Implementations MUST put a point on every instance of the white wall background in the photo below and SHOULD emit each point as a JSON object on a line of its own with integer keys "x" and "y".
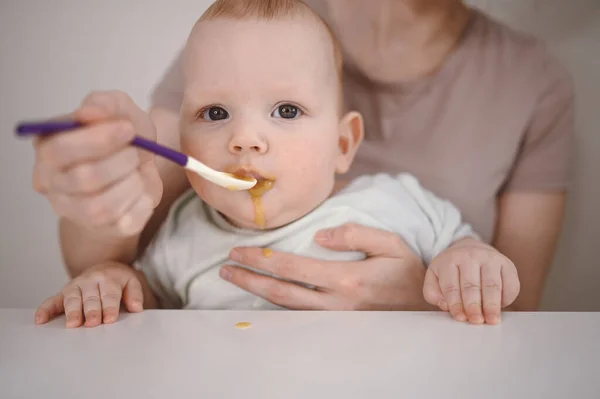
{"x": 52, "y": 53}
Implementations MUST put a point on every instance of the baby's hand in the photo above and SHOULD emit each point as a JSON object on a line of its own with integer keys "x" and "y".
{"x": 96, "y": 294}
{"x": 473, "y": 281}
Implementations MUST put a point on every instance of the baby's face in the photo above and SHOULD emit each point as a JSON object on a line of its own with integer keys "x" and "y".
{"x": 262, "y": 97}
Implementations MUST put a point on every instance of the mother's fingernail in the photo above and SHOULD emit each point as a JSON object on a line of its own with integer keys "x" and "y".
{"x": 225, "y": 273}
{"x": 323, "y": 235}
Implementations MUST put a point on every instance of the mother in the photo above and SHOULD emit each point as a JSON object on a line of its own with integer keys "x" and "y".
{"x": 481, "y": 114}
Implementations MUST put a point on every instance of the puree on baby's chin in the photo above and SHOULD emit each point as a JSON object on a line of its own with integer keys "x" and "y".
{"x": 242, "y": 325}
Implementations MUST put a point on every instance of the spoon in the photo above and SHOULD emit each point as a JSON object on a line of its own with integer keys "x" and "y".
{"x": 222, "y": 179}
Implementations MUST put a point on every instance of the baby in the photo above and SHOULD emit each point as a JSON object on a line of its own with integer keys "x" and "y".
{"x": 263, "y": 99}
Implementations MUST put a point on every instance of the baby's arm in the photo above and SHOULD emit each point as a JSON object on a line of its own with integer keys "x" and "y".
{"x": 472, "y": 280}
{"x": 95, "y": 296}
{"x": 467, "y": 277}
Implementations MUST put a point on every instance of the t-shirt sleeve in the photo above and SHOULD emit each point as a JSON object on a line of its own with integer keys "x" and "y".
{"x": 544, "y": 158}
{"x": 168, "y": 93}
{"x": 154, "y": 263}
{"x": 444, "y": 226}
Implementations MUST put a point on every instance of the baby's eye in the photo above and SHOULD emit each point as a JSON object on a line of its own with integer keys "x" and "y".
{"x": 214, "y": 114}
{"x": 287, "y": 111}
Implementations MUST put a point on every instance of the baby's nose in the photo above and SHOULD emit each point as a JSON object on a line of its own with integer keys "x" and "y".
{"x": 247, "y": 143}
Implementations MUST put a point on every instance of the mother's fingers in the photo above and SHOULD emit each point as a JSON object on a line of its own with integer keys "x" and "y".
{"x": 82, "y": 145}
{"x": 116, "y": 104}
{"x": 101, "y": 209}
{"x": 323, "y": 274}
{"x": 95, "y": 176}
{"x": 372, "y": 241}
{"x": 282, "y": 293}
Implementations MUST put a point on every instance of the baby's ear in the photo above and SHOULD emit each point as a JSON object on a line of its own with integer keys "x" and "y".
{"x": 351, "y": 135}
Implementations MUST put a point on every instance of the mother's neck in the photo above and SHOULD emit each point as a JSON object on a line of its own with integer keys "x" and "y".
{"x": 399, "y": 40}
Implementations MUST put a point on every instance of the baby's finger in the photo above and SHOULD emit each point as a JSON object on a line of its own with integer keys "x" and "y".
{"x": 49, "y": 309}
{"x": 450, "y": 284}
{"x": 491, "y": 281}
{"x": 73, "y": 305}
{"x": 432, "y": 291}
{"x": 470, "y": 286}
{"x": 510, "y": 283}
{"x": 133, "y": 296}
{"x": 110, "y": 296}
{"x": 92, "y": 306}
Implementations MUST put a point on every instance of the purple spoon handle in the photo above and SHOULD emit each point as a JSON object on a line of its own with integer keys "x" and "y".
{"x": 165, "y": 152}
{"x": 45, "y": 128}
{"x": 50, "y": 127}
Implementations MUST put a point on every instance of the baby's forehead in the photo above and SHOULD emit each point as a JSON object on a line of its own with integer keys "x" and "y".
{"x": 285, "y": 45}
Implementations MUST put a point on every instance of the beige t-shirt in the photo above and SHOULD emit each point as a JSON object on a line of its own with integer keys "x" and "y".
{"x": 497, "y": 117}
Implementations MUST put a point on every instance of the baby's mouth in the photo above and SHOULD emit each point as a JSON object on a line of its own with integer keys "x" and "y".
{"x": 264, "y": 183}
{"x": 249, "y": 172}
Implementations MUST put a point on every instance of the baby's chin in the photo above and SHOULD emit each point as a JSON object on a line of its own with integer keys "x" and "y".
{"x": 244, "y": 213}
{"x": 255, "y": 220}
{"x": 273, "y": 210}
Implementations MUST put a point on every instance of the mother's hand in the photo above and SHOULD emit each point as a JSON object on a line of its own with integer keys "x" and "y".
{"x": 391, "y": 278}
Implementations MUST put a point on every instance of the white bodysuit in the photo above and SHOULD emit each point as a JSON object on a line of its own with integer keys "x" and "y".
{"x": 182, "y": 264}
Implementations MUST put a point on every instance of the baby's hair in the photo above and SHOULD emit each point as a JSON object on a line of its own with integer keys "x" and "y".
{"x": 268, "y": 10}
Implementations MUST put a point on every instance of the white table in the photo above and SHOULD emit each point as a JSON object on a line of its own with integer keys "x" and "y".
{"x": 196, "y": 354}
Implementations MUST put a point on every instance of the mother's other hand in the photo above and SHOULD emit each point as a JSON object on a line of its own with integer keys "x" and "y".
{"x": 390, "y": 278}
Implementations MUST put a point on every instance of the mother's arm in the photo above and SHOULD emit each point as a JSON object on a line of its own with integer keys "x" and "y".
{"x": 531, "y": 205}
{"x": 527, "y": 232}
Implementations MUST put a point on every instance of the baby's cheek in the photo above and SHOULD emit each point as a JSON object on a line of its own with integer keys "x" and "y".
{"x": 197, "y": 183}
{"x": 315, "y": 175}
{"x": 192, "y": 145}
{"x": 205, "y": 147}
